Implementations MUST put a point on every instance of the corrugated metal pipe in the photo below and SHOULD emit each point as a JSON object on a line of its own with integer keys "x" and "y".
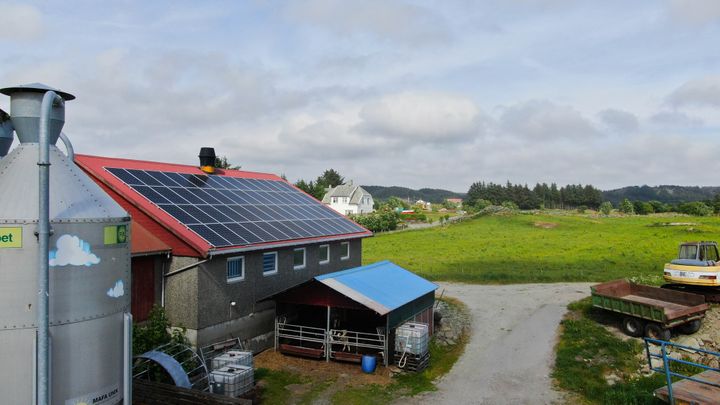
{"x": 50, "y": 100}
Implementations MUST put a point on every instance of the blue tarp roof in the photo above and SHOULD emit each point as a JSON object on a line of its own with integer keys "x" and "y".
{"x": 382, "y": 286}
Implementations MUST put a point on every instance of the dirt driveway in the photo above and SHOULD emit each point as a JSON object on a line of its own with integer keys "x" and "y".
{"x": 510, "y": 354}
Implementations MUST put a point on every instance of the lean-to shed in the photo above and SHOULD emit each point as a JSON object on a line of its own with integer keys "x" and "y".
{"x": 362, "y": 306}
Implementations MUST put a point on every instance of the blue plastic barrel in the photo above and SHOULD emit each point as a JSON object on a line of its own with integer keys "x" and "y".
{"x": 368, "y": 364}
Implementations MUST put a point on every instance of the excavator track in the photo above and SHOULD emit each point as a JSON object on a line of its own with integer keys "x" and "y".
{"x": 711, "y": 294}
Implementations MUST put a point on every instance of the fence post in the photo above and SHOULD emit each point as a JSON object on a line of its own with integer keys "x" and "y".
{"x": 668, "y": 377}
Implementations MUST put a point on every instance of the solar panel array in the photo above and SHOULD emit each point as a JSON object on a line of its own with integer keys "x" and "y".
{"x": 233, "y": 211}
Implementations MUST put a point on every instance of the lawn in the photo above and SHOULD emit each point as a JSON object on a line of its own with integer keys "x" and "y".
{"x": 548, "y": 247}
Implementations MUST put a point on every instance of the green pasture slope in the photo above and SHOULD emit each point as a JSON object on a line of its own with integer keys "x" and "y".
{"x": 529, "y": 248}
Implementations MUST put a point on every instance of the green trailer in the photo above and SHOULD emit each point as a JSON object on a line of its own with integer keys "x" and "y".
{"x": 650, "y": 311}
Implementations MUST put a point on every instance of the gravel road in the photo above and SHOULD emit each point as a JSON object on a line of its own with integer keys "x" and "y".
{"x": 510, "y": 354}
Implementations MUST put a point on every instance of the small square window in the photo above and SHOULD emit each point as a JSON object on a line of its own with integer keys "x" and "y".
{"x": 235, "y": 269}
{"x": 299, "y": 258}
{"x": 324, "y": 254}
{"x": 345, "y": 249}
{"x": 269, "y": 263}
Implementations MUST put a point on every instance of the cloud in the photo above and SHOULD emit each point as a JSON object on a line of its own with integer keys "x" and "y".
{"x": 20, "y": 22}
{"x": 545, "y": 120}
{"x": 117, "y": 291}
{"x": 698, "y": 92}
{"x": 675, "y": 120}
{"x": 695, "y": 11}
{"x": 388, "y": 20}
{"x": 73, "y": 251}
{"x": 426, "y": 117}
{"x": 619, "y": 121}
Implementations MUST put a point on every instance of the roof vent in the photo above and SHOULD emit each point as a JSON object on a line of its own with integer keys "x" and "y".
{"x": 207, "y": 160}
{"x": 25, "y": 101}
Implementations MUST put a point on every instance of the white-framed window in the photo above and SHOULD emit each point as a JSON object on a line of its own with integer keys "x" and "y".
{"x": 324, "y": 254}
{"x": 344, "y": 250}
{"x": 270, "y": 263}
{"x": 334, "y": 200}
{"x": 299, "y": 258}
{"x": 235, "y": 269}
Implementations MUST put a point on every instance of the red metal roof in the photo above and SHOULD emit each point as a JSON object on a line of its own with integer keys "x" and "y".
{"x": 143, "y": 242}
{"x": 182, "y": 240}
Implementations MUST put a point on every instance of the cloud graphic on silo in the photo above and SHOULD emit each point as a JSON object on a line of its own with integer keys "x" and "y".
{"x": 74, "y": 251}
{"x": 117, "y": 291}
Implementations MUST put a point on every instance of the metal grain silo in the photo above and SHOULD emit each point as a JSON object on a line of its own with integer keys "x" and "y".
{"x": 89, "y": 269}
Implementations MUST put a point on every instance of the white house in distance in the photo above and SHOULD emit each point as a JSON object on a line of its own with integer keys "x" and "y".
{"x": 349, "y": 199}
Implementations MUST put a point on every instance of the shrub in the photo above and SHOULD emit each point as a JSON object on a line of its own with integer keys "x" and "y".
{"x": 626, "y": 207}
{"x": 659, "y": 207}
{"x": 154, "y": 332}
{"x": 510, "y": 205}
{"x": 643, "y": 208}
{"x": 697, "y": 208}
{"x": 606, "y": 207}
{"x": 379, "y": 221}
{"x": 581, "y": 209}
{"x": 482, "y": 204}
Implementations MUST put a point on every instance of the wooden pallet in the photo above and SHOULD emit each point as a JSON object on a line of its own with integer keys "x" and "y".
{"x": 691, "y": 392}
{"x": 415, "y": 363}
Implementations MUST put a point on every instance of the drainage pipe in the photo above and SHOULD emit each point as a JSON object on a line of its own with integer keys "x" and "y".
{"x": 50, "y": 100}
{"x": 180, "y": 270}
{"x": 68, "y": 146}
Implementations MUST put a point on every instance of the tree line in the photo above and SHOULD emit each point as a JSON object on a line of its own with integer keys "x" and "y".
{"x": 317, "y": 188}
{"x": 541, "y": 196}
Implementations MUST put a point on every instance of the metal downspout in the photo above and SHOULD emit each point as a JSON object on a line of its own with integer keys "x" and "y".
{"x": 50, "y": 99}
{"x": 127, "y": 354}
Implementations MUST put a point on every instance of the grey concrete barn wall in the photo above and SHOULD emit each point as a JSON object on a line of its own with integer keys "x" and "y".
{"x": 200, "y": 299}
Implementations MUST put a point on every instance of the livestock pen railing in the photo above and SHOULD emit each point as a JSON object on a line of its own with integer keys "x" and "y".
{"x": 303, "y": 340}
{"x": 688, "y": 389}
{"x": 342, "y": 341}
{"x": 337, "y": 344}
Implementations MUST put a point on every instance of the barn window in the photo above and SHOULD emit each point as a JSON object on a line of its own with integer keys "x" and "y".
{"x": 324, "y": 254}
{"x": 235, "y": 269}
{"x": 345, "y": 250}
{"x": 299, "y": 258}
{"x": 269, "y": 263}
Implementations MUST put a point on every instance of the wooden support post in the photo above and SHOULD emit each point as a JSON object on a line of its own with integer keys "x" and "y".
{"x": 327, "y": 336}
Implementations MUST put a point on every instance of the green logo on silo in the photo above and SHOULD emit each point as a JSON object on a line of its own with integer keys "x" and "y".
{"x": 10, "y": 237}
{"x": 115, "y": 234}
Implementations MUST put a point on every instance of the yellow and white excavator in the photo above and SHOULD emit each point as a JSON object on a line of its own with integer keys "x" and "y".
{"x": 696, "y": 270}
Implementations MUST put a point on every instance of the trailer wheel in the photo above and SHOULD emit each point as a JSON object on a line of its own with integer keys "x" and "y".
{"x": 690, "y": 327}
{"x": 633, "y": 326}
{"x": 656, "y": 331}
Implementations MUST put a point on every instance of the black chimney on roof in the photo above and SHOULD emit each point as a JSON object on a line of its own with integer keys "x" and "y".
{"x": 207, "y": 160}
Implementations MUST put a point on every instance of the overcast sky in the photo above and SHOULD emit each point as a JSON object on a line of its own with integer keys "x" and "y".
{"x": 412, "y": 93}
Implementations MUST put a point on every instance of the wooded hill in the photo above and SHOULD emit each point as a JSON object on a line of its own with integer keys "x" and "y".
{"x": 664, "y": 194}
{"x": 433, "y": 195}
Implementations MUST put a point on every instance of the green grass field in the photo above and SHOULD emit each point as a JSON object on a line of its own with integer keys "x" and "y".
{"x": 526, "y": 248}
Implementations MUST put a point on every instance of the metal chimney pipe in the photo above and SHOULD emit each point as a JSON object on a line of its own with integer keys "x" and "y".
{"x": 6, "y": 133}
{"x": 68, "y": 146}
{"x": 50, "y": 99}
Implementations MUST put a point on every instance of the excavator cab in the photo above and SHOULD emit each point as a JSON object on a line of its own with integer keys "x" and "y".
{"x": 700, "y": 252}
{"x": 698, "y": 263}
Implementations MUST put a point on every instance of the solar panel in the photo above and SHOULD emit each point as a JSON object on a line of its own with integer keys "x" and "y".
{"x": 232, "y": 211}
